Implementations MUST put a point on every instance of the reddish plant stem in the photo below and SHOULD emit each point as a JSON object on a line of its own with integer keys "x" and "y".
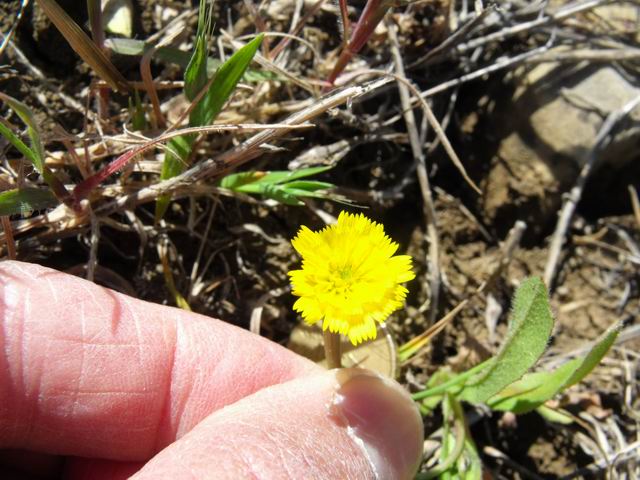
{"x": 373, "y": 13}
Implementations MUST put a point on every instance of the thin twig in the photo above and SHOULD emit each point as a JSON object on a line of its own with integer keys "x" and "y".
{"x": 8, "y": 237}
{"x": 6, "y": 38}
{"x": 196, "y": 263}
{"x": 508, "y": 248}
{"x": 433, "y": 121}
{"x": 429, "y": 209}
{"x": 567, "y": 11}
{"x": 455, "y": 38}
{"x": 295, "y": 30}
{"x": 635, "y": 203}
{"x": 496, "y": 65}
{"x": 94, "y": 240}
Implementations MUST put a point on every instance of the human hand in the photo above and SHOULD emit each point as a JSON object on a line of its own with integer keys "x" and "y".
{"x": 155, "y": 392}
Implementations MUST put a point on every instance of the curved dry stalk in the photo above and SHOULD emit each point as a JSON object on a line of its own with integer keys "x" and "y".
{"x": 433, "y": 258}
{"x": 83, "y": 189}
{"x": 433, "y": 121}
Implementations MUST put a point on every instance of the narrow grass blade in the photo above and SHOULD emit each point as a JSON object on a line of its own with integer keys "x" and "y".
{"x": 84, "y": 46}
{"x": 19, "y": 145}
{"x": 288, "y": 176}
{"x": 526, "y": 340}
{"x": 224, "y": 83}
{"x": 282, "y": 186}
{"x": 181, "y": 302}
{"x": 24, "y": 201}
{"x": 35, "y": 153}
{"x": 209, "y": 106}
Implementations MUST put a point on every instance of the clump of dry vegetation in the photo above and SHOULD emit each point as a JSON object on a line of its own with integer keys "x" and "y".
{"x": 494, "y": 141}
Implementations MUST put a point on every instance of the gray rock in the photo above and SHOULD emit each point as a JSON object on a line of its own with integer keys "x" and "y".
{"x": 546, "y": 132}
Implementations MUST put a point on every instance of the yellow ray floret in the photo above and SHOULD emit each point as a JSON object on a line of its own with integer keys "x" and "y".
{"x": 350, "y": 278}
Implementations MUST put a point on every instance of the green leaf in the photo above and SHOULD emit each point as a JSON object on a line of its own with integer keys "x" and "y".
{"x": 175, "y": 158}
{"x": 208, "y": 108}
{"x": 274, "y": 185}
{"x": 470, "y": 465}
{"x": 553, "y": 415}
{"x": 308, "y": 185}
{"x": 224, "y": 83}
{"x": 236, "y": 180}
{"x": 282, "y": 176}
{"x": 36, "y": 153}
{"x": 18, "y": 144}
{"x": 534, "y": 389}
{"x": 25, "y": 200}
{"x": 529, "y": 331}
{"x": 595, "y": 354}
{"x": 195, "y": 76}
{"x": 136, "y": 112}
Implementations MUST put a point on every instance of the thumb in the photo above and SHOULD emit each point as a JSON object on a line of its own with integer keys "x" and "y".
{"x": 347, "y": 423}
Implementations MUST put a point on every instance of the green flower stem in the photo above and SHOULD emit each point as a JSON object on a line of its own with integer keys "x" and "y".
{"x": 442, "y": 388}
{"x": 332, "y": 350}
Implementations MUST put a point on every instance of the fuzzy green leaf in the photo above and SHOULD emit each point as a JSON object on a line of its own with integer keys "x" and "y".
{"x": 25, "y": 200}
{"x": 529, "y": 331}
{"x": 534, "y": 389}
{"x": 595, "y": 354}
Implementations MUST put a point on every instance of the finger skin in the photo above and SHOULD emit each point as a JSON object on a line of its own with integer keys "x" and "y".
{"x": 90, "y": 372}
{"x": 306, "y": 428}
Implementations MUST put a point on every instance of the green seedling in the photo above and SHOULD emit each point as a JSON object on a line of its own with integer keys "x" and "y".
{"x": 283, "y": 186}
{"x": 25, "y": 201}
{"x": 502, "y": 382}
{"x": 34, "y": 153}
{"x": 210, "y": 94}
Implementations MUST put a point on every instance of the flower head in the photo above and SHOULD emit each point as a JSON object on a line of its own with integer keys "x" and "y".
{"x": 350, "y": 278}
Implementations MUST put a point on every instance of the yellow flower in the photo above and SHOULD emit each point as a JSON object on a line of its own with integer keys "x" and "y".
{"x": 350, "y": 278}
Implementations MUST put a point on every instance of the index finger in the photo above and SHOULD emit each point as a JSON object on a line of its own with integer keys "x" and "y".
{"x": 90, "y": 372}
